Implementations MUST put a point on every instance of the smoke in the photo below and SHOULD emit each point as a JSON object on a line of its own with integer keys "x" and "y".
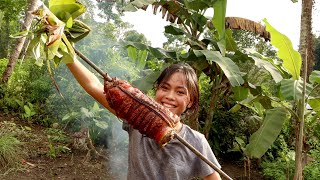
{"x": 118, "y": 151}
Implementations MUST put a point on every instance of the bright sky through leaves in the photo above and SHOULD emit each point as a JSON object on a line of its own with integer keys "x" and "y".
{"x": 281, "y": 14}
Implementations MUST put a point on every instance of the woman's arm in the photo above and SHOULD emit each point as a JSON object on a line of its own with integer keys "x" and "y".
{"x": 89, "y": 82}
{"x": 213, "y": 176}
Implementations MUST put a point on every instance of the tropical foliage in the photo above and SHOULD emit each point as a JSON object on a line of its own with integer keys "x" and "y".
{"x": 256, "y": 86}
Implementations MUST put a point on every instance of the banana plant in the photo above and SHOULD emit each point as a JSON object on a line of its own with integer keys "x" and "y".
{"x": 57, "y": 29}
{"x": 290, "y": 90}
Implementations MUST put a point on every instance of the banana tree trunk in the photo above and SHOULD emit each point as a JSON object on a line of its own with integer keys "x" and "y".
{"x": 19, "y": 43}
{"x": 306, "y": 51}
{"x": 215, "y": 91}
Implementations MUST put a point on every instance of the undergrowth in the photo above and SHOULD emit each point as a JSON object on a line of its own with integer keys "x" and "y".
{"x": 10, "y": 152}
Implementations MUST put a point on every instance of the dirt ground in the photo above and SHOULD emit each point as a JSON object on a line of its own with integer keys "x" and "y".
{"x": 73, "y": 165}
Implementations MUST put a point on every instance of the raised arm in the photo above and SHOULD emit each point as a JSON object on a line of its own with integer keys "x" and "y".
{"x": 89, "y": 82}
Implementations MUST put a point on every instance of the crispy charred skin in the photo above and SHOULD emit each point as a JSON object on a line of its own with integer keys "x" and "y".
{"x": 140, "y": 111}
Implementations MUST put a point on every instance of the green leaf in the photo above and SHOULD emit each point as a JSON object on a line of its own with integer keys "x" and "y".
{"x": 63, "y": 7}
{"x": 218, "y": 22}
{"x": 27, "y": 110}
{"x": 146, "y": 83}
{"x": 230, "y": 69}
{"x": 101, "y": 124}
{"x": 130, "y": 8}
{"x": 235, "y": 108}
{"x": 141, "y": 60}
{"x": 70, "y": 115}
{"x": 291, "y": 58}
{"x": 218, "y": 19}
{"x": 95, "y": 107}
{"x": 78, "y": 31}
{"x": 263, "y": 138}
{"x": 173, "y": 30}
{"x": 157, "y": 52}
{"x": 292, "y": 89}
{"x": 253, "y": 103}
{"x": 315, "y": 77}
{"x": 231, "y": 45}
{"x": 240, "y": 93}
{"x": 86, "y": 112}
{"x": 66, "y": 117}
{"x": 136, "y": 4}
{"x": 34, "y": 47}
{"x": 197, "y": 4}
{"x": 19, "y": 34}
{"x": 315, "y": 104}
{"x": 30, "y": 105}
{"x": 276, "y": 75}
{"x": 132, "y": 53}
{"x": 259, "y": 109}
{"x": 53, "y": 48}
{"x": 27, "y": 128}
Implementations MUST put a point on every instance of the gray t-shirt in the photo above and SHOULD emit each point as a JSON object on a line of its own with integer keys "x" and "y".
{"x": 147, "y": 160}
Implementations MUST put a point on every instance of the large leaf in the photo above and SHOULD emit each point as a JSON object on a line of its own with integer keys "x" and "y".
{"x": 240, "y": 93}
{"x": 230, "y": 69}
{"x": 292, "y": 89}
{"x": 315, "y": 77}
{"x": 273, "y": 62}
{"x": 197, "y": 4}
{"x": 315, "y": 104}
{"x": 78, "y": 31}
{"x": 261, "y": 140}
{"x": 257, "y": 103}
{"x": 132, "y": 53}
{"x": 146, "y": 83}
{"x": 138, "y": 56}
{"x": 136, "y": 4}
{"x": 291, "y": 58}
{"x": 66, "y": 9}
{"x": 101, "y": 124}
{"x": 173, "y": 30}
{"x": 141, "y": 59}
{"x": 218, "y": 21}
{"x": 157, "y": 52}
{"x": 231, "y": 45}
{"x": 276, "y": 75}
{"x": 34, "y": 47}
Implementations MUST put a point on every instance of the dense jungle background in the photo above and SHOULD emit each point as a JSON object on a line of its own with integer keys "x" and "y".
{"x": 259, "y": 99}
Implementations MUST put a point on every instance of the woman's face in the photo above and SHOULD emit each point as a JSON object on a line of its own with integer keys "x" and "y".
{"x": 173, "y": 94}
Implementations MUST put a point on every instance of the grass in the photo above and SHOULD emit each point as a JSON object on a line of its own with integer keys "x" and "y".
{"x": 10, "y": 152}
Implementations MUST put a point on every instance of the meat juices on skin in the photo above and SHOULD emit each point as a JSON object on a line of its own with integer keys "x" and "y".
{"x": 156, "y": 122}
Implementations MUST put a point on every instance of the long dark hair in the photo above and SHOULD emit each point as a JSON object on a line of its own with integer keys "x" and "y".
{"x": 191, "y": 81}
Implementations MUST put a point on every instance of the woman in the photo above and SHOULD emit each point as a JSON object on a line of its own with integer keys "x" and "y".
{"x": 176, "y": 89}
